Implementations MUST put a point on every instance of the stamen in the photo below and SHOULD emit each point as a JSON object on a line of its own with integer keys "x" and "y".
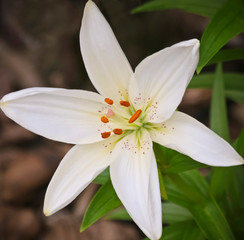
{"x": 124, "y": 103}
{"x": 109, "y": 101}
{"x": 118, "y": 131}
{"x": 104, "y": 119}
{"x": 110, "y": 113}
{"x": 106, "y": 134}
{"x": 135, "y": 116}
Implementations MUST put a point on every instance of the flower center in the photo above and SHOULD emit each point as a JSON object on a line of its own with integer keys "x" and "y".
{"x": 110, "y": 114}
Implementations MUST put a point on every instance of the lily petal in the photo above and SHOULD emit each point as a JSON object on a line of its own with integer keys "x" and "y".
{"x": 77, "y": 169}
{"x": 190, "y": 137}
{"x": 163, "y": 77}
{"x": 70, "y": 116}
{"x": 106, "y": 64}
{"x": 135, "y": 179}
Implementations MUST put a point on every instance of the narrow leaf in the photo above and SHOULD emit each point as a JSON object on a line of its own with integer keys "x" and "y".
{"x": 237, "y": 96}
{"x": 103, "y": 202}
{"x": 227, "y": 23}
{"x": 184, "y": 191}
{"x": 219, "y": 124}
{"x": 232, "y": 81}
{"x": 234, "y": 84}
{"x": 162, "y": 187}
{"x": 239, "y": 143}
{"x": 218, "y": 111}
{"x": 118, "y": 214}
{"x": 227, "y": 55}
{"x": 206, "y": 8}
{"x": 187, "y": 230}
{"x": 173, "y": 213}
{"x": 171, "y": 161}
{"x": 211, "y": 221}
{"x": 103, "y": 177}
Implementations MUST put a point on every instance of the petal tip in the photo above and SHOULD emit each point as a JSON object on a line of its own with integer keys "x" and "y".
{"x": 90, "y": 3}
{"x": 193, "y": 43}
{"x": 47, "y": 213}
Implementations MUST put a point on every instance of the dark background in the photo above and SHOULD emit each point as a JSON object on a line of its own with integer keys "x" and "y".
{"x": 39, "y": 46}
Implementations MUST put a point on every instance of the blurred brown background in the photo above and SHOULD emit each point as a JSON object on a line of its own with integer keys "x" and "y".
{"x": 39, "y": 46}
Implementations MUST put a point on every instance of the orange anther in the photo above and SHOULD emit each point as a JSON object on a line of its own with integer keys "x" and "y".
{"x": 118, "y": 131}
{"x": 104, "y": 119}
{"x": 124, "y": 103}
{"x": 106, "y": 134}
{"x": 109, "y": 101}
{"x": 135, "y": 116}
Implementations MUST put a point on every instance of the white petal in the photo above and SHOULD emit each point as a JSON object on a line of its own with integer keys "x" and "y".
{"x": 104, "y": 59}
{"x": 190, "y": 137}
{"x": 77, "y": 169}
{"x": 163, "y": 77}
{"x": 135, "y": 179}
{"x": 70, "y": 116}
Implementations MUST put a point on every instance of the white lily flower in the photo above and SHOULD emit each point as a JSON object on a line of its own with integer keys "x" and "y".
{"x": 117, "y": 127}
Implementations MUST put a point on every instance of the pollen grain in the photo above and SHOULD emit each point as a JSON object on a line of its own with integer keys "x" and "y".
{"x": 135, "y": 116}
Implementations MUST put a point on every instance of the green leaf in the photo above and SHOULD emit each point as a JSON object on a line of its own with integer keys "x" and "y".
{"x": 219, "y": 124}
{"x": 186, "y": 188}
{"x": 104, "y": 201}
{"x": 103, "y": 177}
{"x": 211, "y": 221}
{"x": 227, "y": 55}
{"x": 161, "y": 185}
{"x": 232, "y": 81}
{"x": 237, "y": 96}
{"x": 234, "y": 84}
{"x": 118, "y": 214}
{"x": 173, "y": 213}
{"x": 239, "y": 143}
{"x": 218, "y": 111}
{"x": 187, "y": 230}
{"x": 171, "y": 161}
{"x": 206, "y": 8}
{"x": 190, "y": 190}
{"x": 227, "y": 23}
